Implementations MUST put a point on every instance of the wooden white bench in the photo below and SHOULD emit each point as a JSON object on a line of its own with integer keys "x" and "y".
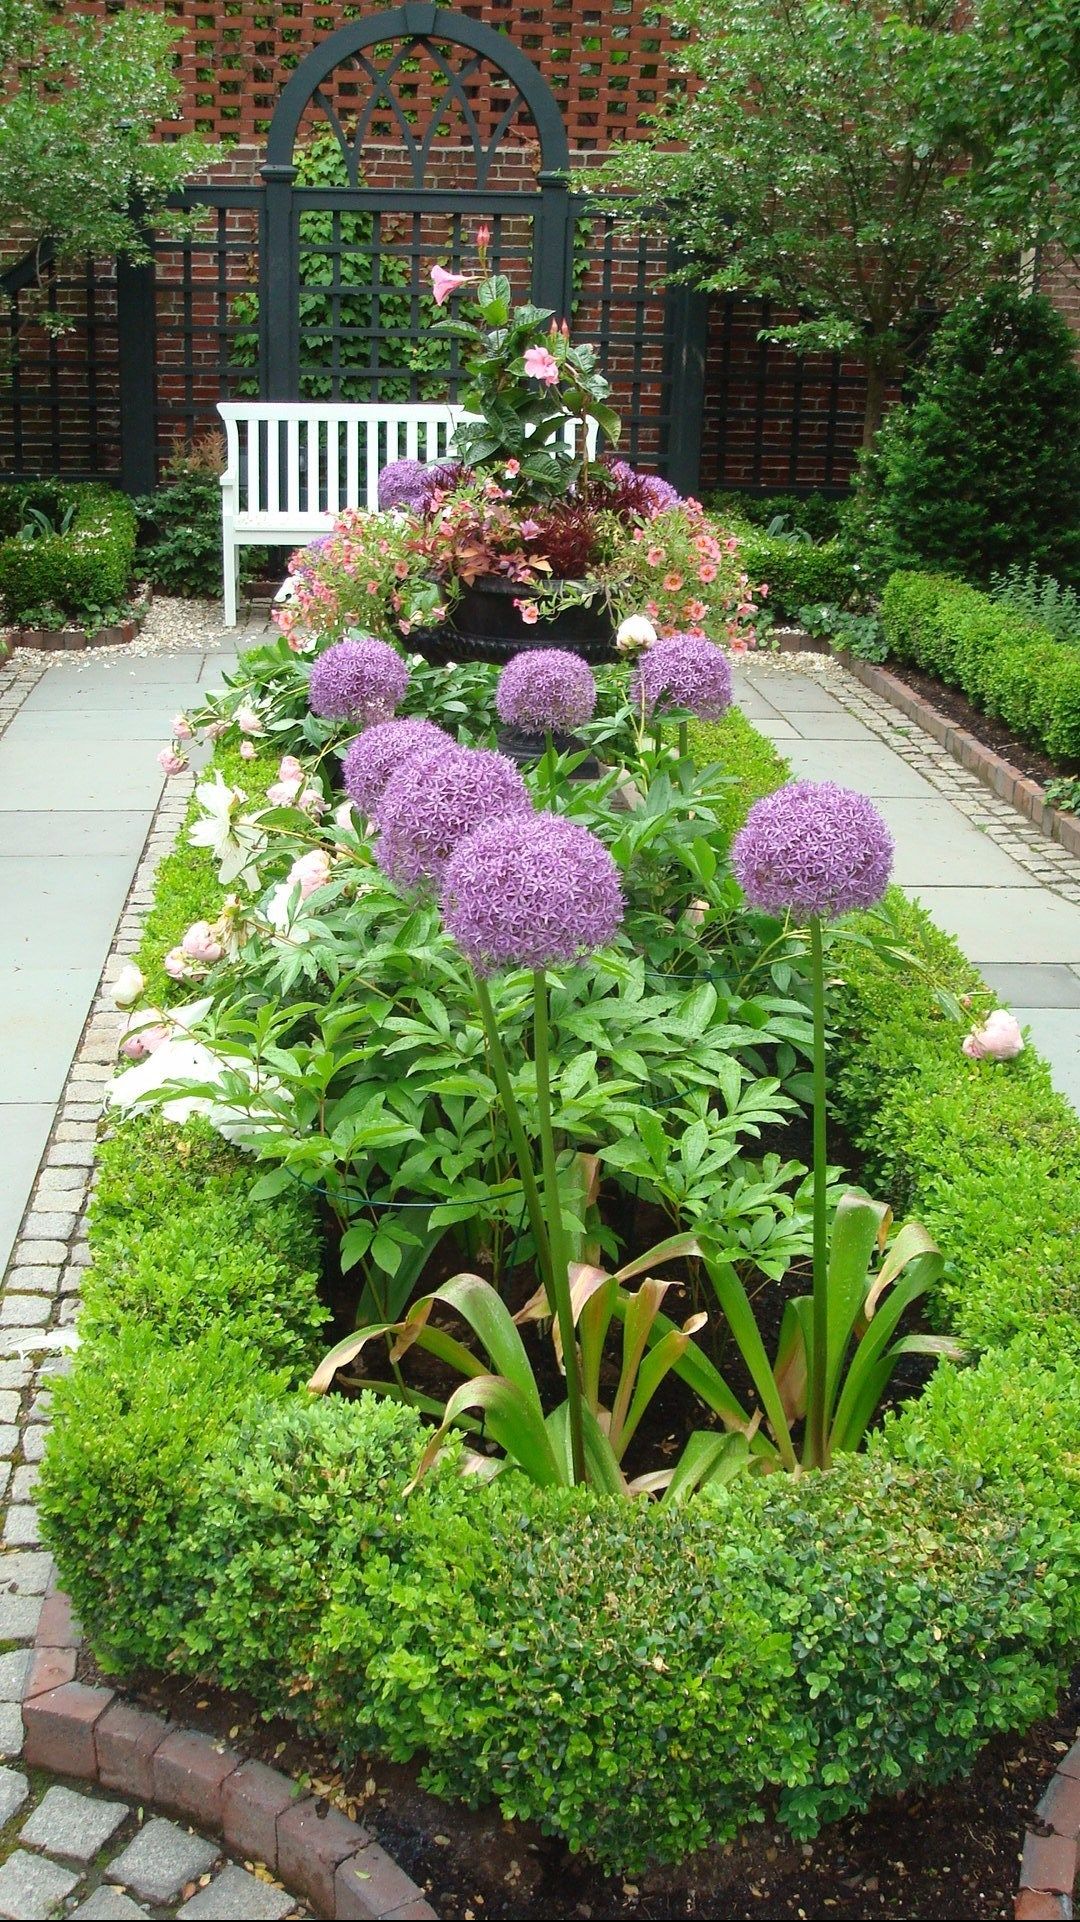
{"x": 293, "y": 467}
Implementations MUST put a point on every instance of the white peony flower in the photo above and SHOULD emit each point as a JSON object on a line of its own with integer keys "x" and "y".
{"x": 128, "y": 986}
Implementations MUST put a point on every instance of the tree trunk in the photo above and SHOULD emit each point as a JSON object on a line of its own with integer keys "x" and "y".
{"x": 877, "y": 384}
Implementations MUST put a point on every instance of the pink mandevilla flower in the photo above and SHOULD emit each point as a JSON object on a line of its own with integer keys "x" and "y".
{"x": 541, "y": 365}
{"x": 444, "y": 284}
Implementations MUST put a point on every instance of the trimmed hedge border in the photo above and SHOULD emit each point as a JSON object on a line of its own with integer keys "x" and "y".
{"x": 1005, "y": 664}
{"x": 810, "y": 1643}
{"x": 89, "y": 566}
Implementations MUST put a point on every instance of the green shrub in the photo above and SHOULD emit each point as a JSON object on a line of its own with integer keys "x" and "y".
{"x": 1004, "y": 664}
{"x": 818, "y": 515}
{"x": 1040, "y": 599}
{"x": 753, "y": 763}
{"x": 798, "y": 573}
{"x": 180, "y": 526}
{"x": 121, "y": 1484}
{"x": 82, "y": 575}
{"x": 982, "y": 470}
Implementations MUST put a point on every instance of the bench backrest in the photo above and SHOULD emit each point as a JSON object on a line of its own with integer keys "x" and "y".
{"x": 298, "y": 460}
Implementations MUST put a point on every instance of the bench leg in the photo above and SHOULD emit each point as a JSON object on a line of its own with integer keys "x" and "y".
{"x": 231, "y": 568}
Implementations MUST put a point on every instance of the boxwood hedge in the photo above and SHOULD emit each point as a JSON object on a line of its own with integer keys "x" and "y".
{"x": 1005, "y": 663}
{"x": 637, "y": 1681}
{"x": 78, "y": 575}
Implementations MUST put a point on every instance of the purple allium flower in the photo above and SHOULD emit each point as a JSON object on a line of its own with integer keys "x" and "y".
{"x": 374, "y": 755}
{"x": 544, "y": 690}
{"x": 653, "y": 495}
{"x": 357, "y": 681}
{"x": 530, "y": 894}
{"x": 815, "y": 848}
{"x": 683, "y": 671}
{"x": 410, "y": 484}
{"x": 433, "y": 800}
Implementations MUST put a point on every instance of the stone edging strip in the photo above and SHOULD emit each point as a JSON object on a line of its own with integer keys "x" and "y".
{"x": 1050, "y": 1866}
{"x": 93, "y": 1734}
{"x": 992, "y": 769}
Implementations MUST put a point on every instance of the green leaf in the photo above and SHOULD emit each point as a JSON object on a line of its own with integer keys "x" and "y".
{"x": 707, "y": 1459}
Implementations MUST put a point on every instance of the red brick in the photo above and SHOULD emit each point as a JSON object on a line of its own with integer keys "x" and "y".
{"x": 370, "y": 1885}
{"x": 1060, "y": 1806}
{"x": 51, "y": 1668}
{"x": 57, "y": 1627}
{"x": 60, "y": 1729}
{"x": 251, "y": 1800}
{"x": 1049, "y": 1862}
{"x": 189, "y": 1770}
{"x": 310, "y": 1846}
{"x": 418, "y": 1911}
{"x": 1031, "y": 1905}
{"x": 127, "y": 1740}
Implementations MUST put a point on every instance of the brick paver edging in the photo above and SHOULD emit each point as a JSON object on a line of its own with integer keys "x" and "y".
{"x": 93, "y": 1734}
{"x": 1050, "y": 1868}
{"x": 990, "y": 768}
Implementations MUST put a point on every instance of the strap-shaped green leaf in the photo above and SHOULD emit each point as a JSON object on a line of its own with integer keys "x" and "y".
{"x": 706, "y": 1458}
{"x": 735, "y": 1304}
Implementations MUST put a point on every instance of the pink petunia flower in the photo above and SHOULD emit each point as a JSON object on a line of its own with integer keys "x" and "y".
{"x": 529, "y": 612}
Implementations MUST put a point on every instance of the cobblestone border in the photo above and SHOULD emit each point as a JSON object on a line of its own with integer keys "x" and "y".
{"x": 1050, "y": 1867}
{"x": 91, "y": 1733}
{"x": 991, "y": 768}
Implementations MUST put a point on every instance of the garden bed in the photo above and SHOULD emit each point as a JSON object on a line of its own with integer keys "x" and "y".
{"x": 1005, "y": 741}
{"x": 639, "y": 1682}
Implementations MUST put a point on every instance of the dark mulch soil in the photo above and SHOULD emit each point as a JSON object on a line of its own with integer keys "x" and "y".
{"x": 950, "y": 1852}
{"x": 993, "y": 733}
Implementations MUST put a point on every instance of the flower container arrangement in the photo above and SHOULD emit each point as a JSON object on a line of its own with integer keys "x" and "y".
{"x": 521, "y": 538}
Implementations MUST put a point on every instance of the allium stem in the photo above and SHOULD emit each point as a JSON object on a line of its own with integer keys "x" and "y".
{"x": 560, "y": 1272}
{"x": 522, "y": 1150}
{"x": 816, "y": 1449}
{"x": 684, "y": 740}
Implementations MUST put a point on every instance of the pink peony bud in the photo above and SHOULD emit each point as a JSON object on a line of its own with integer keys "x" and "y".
{"x": 176, "y": 965}
{"x": 199, "y": 944}
{"x": 182, "y": 728}
{"x": 142, "y": 1037}
{"x": 247, "y": 720}
{"x": 248, "y": 750}
{"x": 170, "y": 762}
{"x": 311, "y": 871}
{"x": 216, "y": 729}
{"x": 290, "y": 769}
{"x": 312, "y": 802}
{"x": 999, "y": 1038}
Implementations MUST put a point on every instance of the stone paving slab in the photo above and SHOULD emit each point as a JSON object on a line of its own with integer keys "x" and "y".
{"x": 32, "y": 1888}
{"x": 862, "y": 764}
{"x": 161, "y": 1860}
{"x": 237, "y": 1896}
{"x": 1035, "y": 985}
{"x": 77, "y": 1826}
{"x": 82, "y": 777}
{"x": 46, "y": 836}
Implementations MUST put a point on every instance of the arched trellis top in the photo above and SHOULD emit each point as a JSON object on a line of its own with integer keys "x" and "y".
{"x": 408, "y": 24}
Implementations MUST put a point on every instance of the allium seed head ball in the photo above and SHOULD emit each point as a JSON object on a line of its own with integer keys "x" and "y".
{"x": 375, "y": 755}
{"x": 530, "y": 894}
{"x": 433, "y": 800}
{"x": 683, "y": 671}
{"x": 546, "y": 690}
{"x": 813, "y": 848}
{"x": 357, "y": 681}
